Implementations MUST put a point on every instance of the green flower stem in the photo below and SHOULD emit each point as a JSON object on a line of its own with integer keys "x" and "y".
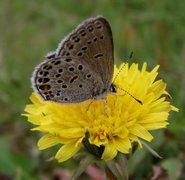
{"x": 115, "y": 172}
{"x": 122, "y": 160}
{"x": 89, "y": 159}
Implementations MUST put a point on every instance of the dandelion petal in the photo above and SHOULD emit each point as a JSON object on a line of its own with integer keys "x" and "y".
{"x": 141, "y": 132}
{"x": 66, "y": 152}
{"x": 47, "y": 141}
{"x": 122, "y": 145}
{"x": 110, "y": 152}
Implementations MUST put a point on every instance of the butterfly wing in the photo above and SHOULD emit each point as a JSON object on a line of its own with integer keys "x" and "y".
{"x": 89, "y": 46}
{"x": 91, "y": 42}
{"x": 65, "y": 80}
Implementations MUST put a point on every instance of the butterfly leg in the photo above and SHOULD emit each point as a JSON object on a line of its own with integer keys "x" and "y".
{"x": 116, "y": 94}
{"x": 89, "y": 105}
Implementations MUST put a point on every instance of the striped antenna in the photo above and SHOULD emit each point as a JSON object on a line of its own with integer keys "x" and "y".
{"x": 130, "y": 57}
{"x": 140, "y": 102}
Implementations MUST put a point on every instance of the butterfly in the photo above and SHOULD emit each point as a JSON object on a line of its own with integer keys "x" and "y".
{"x": 82, "y": 66}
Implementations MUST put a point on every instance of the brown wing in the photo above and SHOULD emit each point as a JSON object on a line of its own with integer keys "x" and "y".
{"x": 91, "y": 42}
{"x": 66, "y": 80}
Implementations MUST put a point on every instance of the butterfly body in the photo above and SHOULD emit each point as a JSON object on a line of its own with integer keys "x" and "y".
{"x": 82, "y": 66}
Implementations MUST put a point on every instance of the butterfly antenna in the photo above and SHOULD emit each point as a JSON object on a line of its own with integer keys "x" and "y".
{"x": 140, "y": 102}
{"x": 130, "y": 57}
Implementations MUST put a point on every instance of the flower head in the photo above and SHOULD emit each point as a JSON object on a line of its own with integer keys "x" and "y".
{"x": 112, "y": 124}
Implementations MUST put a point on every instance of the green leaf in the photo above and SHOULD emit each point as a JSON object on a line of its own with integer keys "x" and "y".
{"x": 173, "y": 166}
{"x": 16, "y": 165}
{"x": 24, "y": 163}
{"x": 135, "y": 159}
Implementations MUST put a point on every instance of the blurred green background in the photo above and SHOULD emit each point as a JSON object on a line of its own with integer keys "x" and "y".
{"x": 154, "y": 30}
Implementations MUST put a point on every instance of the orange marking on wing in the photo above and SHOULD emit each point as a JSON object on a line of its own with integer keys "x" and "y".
{"x": 46, "y": 87}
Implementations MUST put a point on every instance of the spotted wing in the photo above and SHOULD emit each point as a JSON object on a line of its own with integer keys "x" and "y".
{"x": 91, "y": 42}
{"x": 65, "y": 80}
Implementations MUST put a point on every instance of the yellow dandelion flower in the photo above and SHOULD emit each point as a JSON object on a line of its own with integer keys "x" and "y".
{"x": 124, "y": 122}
